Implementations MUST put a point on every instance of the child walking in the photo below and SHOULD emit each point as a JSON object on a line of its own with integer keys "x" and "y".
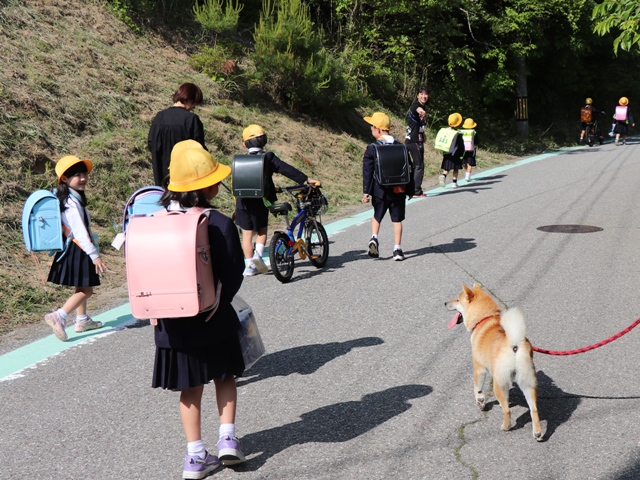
{"x": 383, "y": 198}
{"x": 252, "y": 214}
{"x": 79, "y": 265}
{"x": 191, "y": 352}
{"x": 471, "y": 142}
{"x": 621, "y": 119}
{"x": 449, "y": 141}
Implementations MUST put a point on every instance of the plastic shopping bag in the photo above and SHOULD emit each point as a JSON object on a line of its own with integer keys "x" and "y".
{"x": 250, "y": 340}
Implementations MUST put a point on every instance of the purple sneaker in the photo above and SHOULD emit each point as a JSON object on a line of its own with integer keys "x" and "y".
{"x": 54, "y": 320}
{"x": 229, "y": 451}
{"x": 195, "y": 467}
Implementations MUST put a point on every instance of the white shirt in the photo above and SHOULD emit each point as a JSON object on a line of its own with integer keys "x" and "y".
{"x": 73, "y": 219}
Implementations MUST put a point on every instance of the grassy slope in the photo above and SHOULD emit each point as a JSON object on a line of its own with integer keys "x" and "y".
{"x": 74, "y": 80}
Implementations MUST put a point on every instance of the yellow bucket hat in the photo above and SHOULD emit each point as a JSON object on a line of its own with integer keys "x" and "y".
{"x": 194, "y": 169}
{"x": 623, "y": 101}
{"x": 180, "y": 147}
{"x": 252, "y": 131}
{"x": 65, "y": 163}
{"x": 469, "y": 123}
{"x": 379, "y": 120}
{"x": 455, "y": 119}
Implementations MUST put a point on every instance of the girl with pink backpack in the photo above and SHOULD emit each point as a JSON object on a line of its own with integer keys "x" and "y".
{"x": 191, "y": 352}
{"x": 621, "y": 119}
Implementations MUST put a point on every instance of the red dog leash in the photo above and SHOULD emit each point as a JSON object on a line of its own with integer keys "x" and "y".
{"x": 590, "y": 347}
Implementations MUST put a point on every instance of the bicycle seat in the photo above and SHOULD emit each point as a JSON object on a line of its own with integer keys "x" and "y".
{"x": 280, "y": 208}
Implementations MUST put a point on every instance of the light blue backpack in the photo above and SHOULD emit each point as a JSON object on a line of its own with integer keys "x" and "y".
{"x": 42, "y": 223}
{"x": 142, "y": 203}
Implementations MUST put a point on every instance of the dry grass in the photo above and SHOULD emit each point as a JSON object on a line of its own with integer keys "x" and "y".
{"x": 74, "y": 80}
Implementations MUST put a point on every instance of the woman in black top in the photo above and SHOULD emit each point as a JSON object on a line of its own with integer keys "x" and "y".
{"x": 173, "y": 125}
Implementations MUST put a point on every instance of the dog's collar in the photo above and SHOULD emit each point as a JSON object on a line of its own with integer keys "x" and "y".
{"x": 485, "y": 318}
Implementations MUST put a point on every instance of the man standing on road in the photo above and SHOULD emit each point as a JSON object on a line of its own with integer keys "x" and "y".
{"x": 414, "y": 138}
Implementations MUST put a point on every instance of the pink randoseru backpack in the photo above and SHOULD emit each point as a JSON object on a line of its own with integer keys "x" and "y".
{"x": 169, "y": 272}
{"x": 621, "y": 113}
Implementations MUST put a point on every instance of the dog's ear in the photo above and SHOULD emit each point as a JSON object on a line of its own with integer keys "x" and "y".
{"x": 476, "y": 285}
{"x": 467, "y": 291}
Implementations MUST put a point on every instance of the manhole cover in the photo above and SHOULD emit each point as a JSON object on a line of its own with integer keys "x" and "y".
{"x": 569, "y": 229}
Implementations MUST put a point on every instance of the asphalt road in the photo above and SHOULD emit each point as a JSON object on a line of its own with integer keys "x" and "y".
{"x": 362, "y": 379}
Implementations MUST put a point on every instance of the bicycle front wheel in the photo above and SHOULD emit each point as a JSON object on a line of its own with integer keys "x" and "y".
{"x": 281, "y": 261}
{"x": 317, "y": 244}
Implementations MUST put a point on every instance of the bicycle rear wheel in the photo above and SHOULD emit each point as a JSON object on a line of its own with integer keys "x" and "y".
{"x": 281, "y": 261}
{"x": 317, "y": 244}
{"x": 590, "y": 134}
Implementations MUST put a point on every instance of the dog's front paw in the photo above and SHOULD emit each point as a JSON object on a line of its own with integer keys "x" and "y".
{"x": 480, "y": 401}
{"x": 537, "y": 436}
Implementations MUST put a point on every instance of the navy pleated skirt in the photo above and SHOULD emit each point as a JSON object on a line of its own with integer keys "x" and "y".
{"x": 621, "y": 127}
{"x": 73, "y": 268}
{"x": 449, "y": 163}
{"x": 182, "y": 368}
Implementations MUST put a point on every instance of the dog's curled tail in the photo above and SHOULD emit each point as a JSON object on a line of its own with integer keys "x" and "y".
{"x": 513, "y": 323}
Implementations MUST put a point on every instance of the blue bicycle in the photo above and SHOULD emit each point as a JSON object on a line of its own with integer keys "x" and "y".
{"x": 311, "y": 239}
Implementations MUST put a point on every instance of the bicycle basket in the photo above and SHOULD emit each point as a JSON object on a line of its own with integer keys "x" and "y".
{"x": 318, "y": 204}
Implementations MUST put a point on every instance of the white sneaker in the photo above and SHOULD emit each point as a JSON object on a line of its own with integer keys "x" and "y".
{"x": 454, "y": 185}
{"x": 441, "y": 180}
{"x": 89, "y": 324}
{"x": 467, "y": 176}
{"x": 259, "y": 264}
{"x": 250, "y": 271}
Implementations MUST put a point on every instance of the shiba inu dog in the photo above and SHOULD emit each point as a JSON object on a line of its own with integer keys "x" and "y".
{"x": 498, "y": 345}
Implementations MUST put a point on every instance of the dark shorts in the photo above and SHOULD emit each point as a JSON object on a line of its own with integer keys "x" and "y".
{"x": 394, "y": 203}
{"x": 251, "y": 214}
{"x": 469, "y": 158}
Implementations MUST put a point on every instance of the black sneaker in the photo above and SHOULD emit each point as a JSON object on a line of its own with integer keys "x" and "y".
{"x": 398, "y": 256}
{"x": 373, "y": 248}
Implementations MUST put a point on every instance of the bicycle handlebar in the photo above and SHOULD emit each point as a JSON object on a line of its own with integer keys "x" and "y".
{"x": 304, "y": 186}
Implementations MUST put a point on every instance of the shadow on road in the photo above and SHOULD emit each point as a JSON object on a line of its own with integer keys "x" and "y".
{"x": 629, "y": 473}
{"x": 554, "y": 405}
{"x": 336, "y": 262}
{"x": 336, "y": 423}
{"x": 304, "y": 360}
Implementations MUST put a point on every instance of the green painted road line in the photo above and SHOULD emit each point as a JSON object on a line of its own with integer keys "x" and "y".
{"x": 27, "y": 356}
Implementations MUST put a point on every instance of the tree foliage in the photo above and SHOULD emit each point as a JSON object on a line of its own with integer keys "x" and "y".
{"x": 291, "y": 61}
{"x": 218, "y": 16}
{"x": 312, "y": 55}
{"x": 622, "y": 15}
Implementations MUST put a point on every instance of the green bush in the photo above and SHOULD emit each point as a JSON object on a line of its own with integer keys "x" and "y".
{"x": 292, "y": 65}
{"x": 212, "y": 16}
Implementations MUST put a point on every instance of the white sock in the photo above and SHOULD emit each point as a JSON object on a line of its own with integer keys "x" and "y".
{"x": 259, "y": 249}
{"x": 81, "y": 318}
{"x": 227, "y": 430}
{"x": 397, "y": 247}
{"x": 374, "y": 236}
{"x": 196, "y": 448}
{"x": 248, "y": 263}
{"x": 63, "y": 314}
